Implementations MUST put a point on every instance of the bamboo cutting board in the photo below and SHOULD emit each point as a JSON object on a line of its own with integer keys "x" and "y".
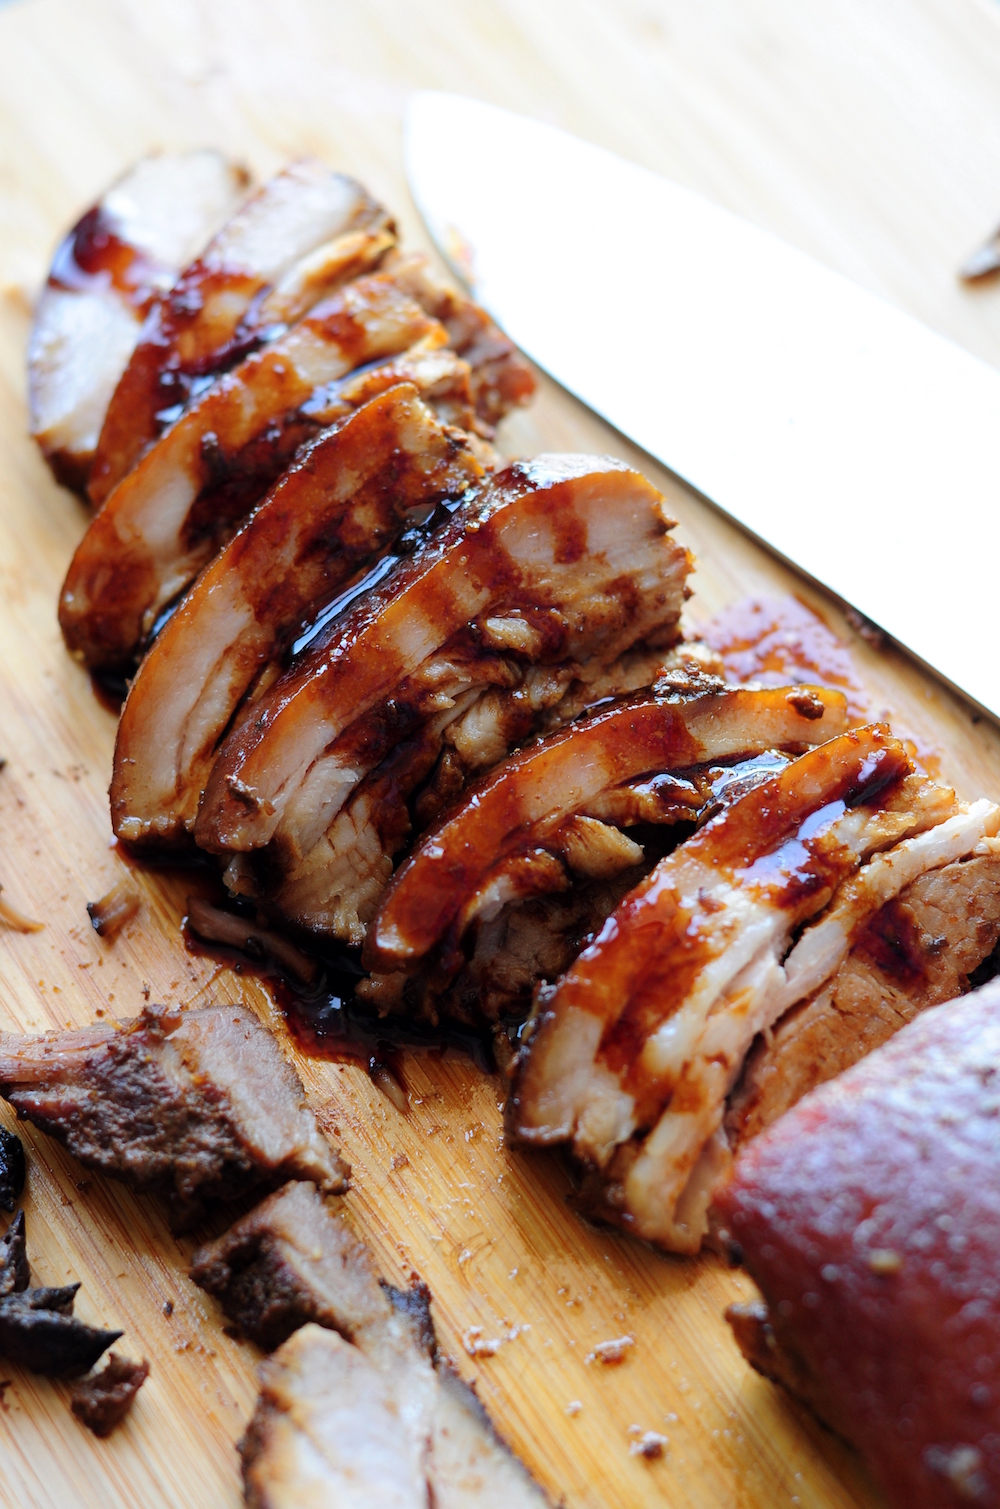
{"x": 866, "y": 131}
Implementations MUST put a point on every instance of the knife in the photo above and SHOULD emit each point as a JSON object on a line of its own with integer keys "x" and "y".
{"x": 847, "y": 437}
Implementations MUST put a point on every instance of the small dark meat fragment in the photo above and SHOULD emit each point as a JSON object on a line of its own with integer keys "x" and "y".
{"x": 13, "y": 1170}
{"x": 288, "y": 1262}
{"x": 869, "y": 1217}
{"x": 197, "y": 1105}
{"x": 233, "y": 931}
{"x": 37, "y": 1326}
{"x": 109, "y": 915}
{"x": 103, "y": 1401}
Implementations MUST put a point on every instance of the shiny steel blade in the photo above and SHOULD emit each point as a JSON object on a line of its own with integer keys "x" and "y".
{"x": 849, "y": 438}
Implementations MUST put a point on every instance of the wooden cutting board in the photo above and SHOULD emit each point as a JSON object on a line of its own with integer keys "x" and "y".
{"x": 866, "y": 131}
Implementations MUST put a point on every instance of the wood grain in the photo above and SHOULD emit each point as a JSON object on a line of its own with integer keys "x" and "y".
{"x": 867, "y": 132}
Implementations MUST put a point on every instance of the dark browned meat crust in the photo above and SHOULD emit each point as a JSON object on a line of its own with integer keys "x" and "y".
{"x": 196, "y": 1105}
{"x": 869, "y": 1216}
{"x": 103, "y": 1401}
{"x": 37, "y": 1326}
{"x": 288, "y": 1262}
{"x": 917, "y": 951}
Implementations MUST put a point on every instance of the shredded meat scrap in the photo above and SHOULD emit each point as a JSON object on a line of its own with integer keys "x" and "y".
{"x": 197, "y": 1105}
{"x": 870, "y": 1218}
{"x": 639, "y": 1043}
{"x": 547, "y": 575}
{"x": 357, "y": 1408}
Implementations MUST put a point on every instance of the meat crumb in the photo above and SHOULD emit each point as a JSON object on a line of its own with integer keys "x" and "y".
{"x": 168, "y": 1307}
{"x": 574, "y": 1407}
{"x": 109, "y": 915}
{"x": 647, "y": 1443}
{"x": 611, "y": 1351}
{"x": 477, "y": 1345}
{"x": 102, "y": 1401}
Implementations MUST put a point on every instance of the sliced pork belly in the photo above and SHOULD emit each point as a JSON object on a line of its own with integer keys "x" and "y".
{"x": 530, "y": 824}
{"x": 639, "y": 1043}
{"x": 548, "y": 574}
{"x": 116, "y": 260}
{"x": 344, "y": 501}
{"x": 293, "y": 242}
{"x": 196, "y": 1105}
{"x": 870, "y": 1218}
{"x": 357, "y": 1407}
{"x": 185, "y": 497}
{"x": 501, "y": 378}
{"x": 917, "y": 951}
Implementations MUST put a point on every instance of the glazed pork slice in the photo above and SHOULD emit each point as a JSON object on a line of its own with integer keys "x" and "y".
{"x": 638, "y": 1045}
{"x": 501, "y": 378}
{"x": 292, "y": 243}
{"x": 196, "y": 1105}
{"x": 116, "y": 260}
{"x": 358, "y": 1402}
{"x": 187, "y": 495}
{"x": 532, "y": 823}
{"x": 869, "y": 1216}
{"x": 342, "y": 503}
{"x": 553, "y": 570}
{"x": 917, "y": 951}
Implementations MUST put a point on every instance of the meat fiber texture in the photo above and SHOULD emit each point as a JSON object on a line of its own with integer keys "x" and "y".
{"x": 356, "y": 1407}
{"x": 197, "y": 1105}
{"x": 870, "y": 1218}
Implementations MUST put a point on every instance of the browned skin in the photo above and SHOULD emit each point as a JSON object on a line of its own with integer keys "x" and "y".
{"x": 187, "y": 495}
{"x": 198, "y": 1105}
{"x": 525, "y": 803}
{"x": 869, "y": 1216}
{"x": 341, "y": 504}
{"x": 288, "y": 1262}
{"x": 217, "y": 311}
{"x": 916, "y": 952}
{"x": 102, "y": 1401}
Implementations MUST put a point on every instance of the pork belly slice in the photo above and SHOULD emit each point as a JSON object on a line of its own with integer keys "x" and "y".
{"x": 116, "y": 260}
{"x": 195, "y": 1105}
{"x": 184, "y": 499}
{"x": 553, "y": 570}
{"x": 357, "y": 1407}
{"x": 916, "y": 951}
{"x": 501, "y": 378}
{"x": 303, "y": 234}
{"x": 639, "y": 1043}
{"x": 869, "y": 1216}
{"x": 551, "y": 800}
{"x": 343, "y": 502}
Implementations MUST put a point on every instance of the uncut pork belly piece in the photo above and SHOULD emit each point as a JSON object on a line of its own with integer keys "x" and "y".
{"x": 195, "y": 1105}
{"x": 501, "y": 378}
{"x": 301, "y": 235}
{"x": 554, "y": 813}
{"x": 869, "y": 1217}
{"x": 106, "y": 273}
{"x": 917, "y": 951}
{"x": 342, "y": 503}
{"x": 184, "y": 499}
{"x": 550, "y": 572}
{"x": 357, "y": 1407}
{"x": 637, "y": 1046}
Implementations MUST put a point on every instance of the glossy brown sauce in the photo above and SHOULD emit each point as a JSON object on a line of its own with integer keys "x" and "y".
{"x": 94, "y": 255}
{"x": 778, "y": 640}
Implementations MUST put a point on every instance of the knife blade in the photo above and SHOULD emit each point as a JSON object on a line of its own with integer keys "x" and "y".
{"x": 854, "y": 442}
